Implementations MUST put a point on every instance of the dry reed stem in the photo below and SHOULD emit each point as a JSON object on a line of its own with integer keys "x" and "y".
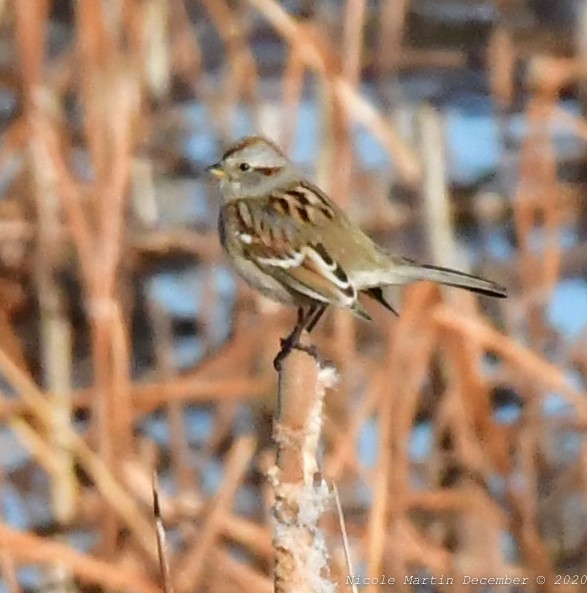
{"x": 243, "y": 76}
{"x": 340, "y": 164}
{"x": 436, "y": 205}
{"x": 27, "y": 548}
{"x": 458, "y": 500}
{"x": 409, "y": 349}
{"x": 186, "y": 53}
{"x": 354, "y": 22}
{"x": 535, "y": 368}
{"x": 109, "y": 92}
{"x": 480, "y": 443}
{"x": 343, "y": 454}
{"x": 55, "y": 328}
{"x": 99, "y": 259}
{"x": 345, "y": 537}
{"x": 114, "y": 494}
{"x": 193, "y": 390}
{"x": 293, "y": 83}
{"x": 226, "y": 569}
{"x": 162, "y": 548}
{"x": 356, "y": 105}
{"x": 537, "y": 198}
{"x": 190, "y": 570}
{"x": 163, "y": 345}
{"x": 301, "y": 494}
{"x": 36, "y": 444}
{"x": 9, "y": 572}
{"x": 390, "y": 35}
{"x": 501, "y": 57}
{"x": 526, "y": 512}
{"x": 417, "y": 550}
{"x": 151, "y": 396}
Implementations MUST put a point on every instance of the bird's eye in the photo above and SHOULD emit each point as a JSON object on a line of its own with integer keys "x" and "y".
{"x": 244, "y": 167}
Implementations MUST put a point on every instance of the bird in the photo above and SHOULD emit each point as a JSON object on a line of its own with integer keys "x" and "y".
{"x": 287, "y": 239}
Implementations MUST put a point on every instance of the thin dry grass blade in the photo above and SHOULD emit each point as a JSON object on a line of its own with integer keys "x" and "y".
{"x": 161, "y": 539}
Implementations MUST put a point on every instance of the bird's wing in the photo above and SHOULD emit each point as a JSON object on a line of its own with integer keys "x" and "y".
{"x": 281, "y": 234}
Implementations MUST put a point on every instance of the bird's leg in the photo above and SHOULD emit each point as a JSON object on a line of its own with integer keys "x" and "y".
{"x": 306, "y": 321}
{"x": 311, "y": 320}
{"x": 315, "y": 317}
{"x": 287, "y": 344}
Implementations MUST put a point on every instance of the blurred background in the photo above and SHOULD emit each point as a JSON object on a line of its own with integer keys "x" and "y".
{"x": 453, "y": 131}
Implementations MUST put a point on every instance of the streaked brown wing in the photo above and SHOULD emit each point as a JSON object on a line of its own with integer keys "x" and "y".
{"x": 278, "y": 238}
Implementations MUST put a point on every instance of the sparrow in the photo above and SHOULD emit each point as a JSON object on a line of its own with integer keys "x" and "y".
{"x": 291, "y": 242}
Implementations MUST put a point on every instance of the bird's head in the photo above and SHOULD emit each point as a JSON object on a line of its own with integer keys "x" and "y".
{"x": 253, "y": 167}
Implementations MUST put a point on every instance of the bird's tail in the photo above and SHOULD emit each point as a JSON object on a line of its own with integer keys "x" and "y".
{"x": 396, "y": 270}
{"x": 414, "y": 271}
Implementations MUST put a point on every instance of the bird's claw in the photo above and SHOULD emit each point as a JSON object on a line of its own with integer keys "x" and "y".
{"x": 287, "y": 346}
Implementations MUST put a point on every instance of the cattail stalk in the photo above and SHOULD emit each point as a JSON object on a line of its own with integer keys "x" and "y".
{"x": 301, "y": 493}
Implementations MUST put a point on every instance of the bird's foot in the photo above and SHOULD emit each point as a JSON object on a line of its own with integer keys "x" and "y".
{"x": 287, "y": 346}
{"x": 306, "y": 321}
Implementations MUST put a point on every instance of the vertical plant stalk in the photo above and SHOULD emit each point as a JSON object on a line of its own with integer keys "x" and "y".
{"x": 360, "y": 110}
{"x": 110, "y": 94}
{"x": 120, "y": 503}
{"x": 163, "y": 347}
{"x": 410, "y": 347}
{"x": 55, "y": 327}
{"x": 243, "y": 76}
{"x": 301, "y": 494}
{"x": 342, "y": 158}
{"x": 392, "y": 26}
{"x": 581, "y": 43}
{"x": 437, "y": 211}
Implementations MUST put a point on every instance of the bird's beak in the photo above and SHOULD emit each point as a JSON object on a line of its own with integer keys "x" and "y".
{"x": 216, "y": 170}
